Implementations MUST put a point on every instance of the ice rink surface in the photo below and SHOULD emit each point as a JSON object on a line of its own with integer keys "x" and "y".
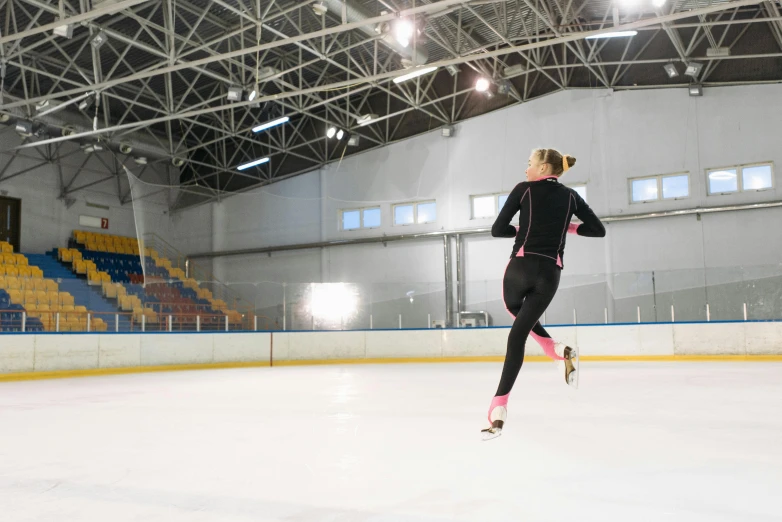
{"x": 645, "y": 441}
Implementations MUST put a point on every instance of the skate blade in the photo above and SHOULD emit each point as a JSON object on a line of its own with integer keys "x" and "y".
{"x": 494, "y": 431}
{"x": 572, "y": 378}
{"x": 490, "y": 433}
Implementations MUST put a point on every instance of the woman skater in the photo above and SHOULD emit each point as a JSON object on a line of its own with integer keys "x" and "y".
{"x": 531, "y": 279}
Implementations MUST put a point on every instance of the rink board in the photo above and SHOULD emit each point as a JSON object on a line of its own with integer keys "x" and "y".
{"x": 45, "y": 354}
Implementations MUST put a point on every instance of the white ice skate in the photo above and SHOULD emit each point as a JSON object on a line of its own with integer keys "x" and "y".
{"x": 498, "y": 416}
{"x": 570, "y": 364}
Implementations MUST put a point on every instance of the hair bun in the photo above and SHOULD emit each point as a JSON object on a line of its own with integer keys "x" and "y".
{"x": 571, "y": 161}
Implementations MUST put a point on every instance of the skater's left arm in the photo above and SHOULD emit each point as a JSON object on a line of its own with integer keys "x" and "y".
{"x": 502, "y": 226}
{"x": 591, "y": 225}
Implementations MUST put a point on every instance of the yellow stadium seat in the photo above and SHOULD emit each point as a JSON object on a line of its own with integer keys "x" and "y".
{"x": 9, "y": 259}
{"x": 100, "y": 325}
{"x": 93, "y": 278}
{"x": 24, "y": 271}
{"x": 36, "y": 272}
{"x": 66, "y": 299}
{"x": 21, "y": 260}
{"x": 51, "y": 285}
{"x": 13, "y": 283}
{"x": 6, "y": 247}
{"x": 11, "y": 270}
{"x": 54, "y": 299}
{"x": 16, "y": 296}
{"x": 125, "y": 303}
{"x": 29, "y": 297}
{"x": 81, "y": 267}
{"x": 76, "y": 255}
{"x": 3, "y": 282}
{"x": 42, "y": 297}
{"x": 2, "y": 270}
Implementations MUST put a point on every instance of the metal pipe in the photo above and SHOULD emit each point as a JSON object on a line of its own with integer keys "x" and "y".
{"x": 466, "y": 232}
{"x": 448, "y": 282}
{"x": 459, "y": 276}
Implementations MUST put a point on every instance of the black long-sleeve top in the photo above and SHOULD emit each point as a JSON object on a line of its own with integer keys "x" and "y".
{"x": 546, "y": 207}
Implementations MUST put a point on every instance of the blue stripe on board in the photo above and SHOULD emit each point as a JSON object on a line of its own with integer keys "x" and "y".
{"x": 386, "y": 329}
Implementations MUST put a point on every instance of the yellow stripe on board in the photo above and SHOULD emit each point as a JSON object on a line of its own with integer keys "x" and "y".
{"x": 64, "y": 374}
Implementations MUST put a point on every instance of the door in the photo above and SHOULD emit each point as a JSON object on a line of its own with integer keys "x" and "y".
{"x": 11, "y": 221}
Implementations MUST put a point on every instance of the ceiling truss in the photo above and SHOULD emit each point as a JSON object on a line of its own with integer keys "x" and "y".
{"x": 161, "y": 76}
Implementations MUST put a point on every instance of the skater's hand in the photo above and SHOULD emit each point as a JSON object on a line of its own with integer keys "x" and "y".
{"x": 572, "y": 228}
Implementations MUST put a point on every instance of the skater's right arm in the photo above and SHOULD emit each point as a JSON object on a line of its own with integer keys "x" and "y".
{"x": 502, "y": 226}
{"x": 591, "y": 225}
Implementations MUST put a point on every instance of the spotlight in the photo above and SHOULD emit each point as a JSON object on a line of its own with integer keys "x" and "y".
{"x": 503, "y": 87}
{"x": 68, "y": 130}
{"x": 353, "y": 141}
{"x": 253, "y": 94}
{"x": 340, "y": 134}
{"x": 448, "y": 131}
{"x": 331, "y": 132}
{"x": 177, "y": 162}
{"x": 4, "y": 117}
{"x": 365, "y": 119}
{"x": 66, "y": 31}
{"x": 671, "y": 70}
{"x": 141, "y": 160}
{"x": 482, "y": 85}
{"x": 693, "y": 69}
{"x": 91, "y": 147}
{"x": 24, "y": 127}
{"x": 86, "y": 103}
{"x": 234, "y": 93}
{"x": 98, "y": 40}
{"x": 125, "y": 148}
{"x": 513, "y": 70}
{"x": 453, "y": 69}
{"x": 404, "y": 31}
{"x": 696, "y": 90}
{"x": 320, "y": 8}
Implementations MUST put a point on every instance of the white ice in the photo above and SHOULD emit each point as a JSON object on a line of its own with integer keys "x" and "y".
{"x": 637, "y": 442}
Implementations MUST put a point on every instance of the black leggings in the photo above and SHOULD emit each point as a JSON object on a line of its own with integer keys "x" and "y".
{"x": 528, "y": 287}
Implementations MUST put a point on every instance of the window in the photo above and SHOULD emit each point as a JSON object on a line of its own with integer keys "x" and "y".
{"x": 484, "y": 206}
{"x": 487, "y": 205}
{"x": 581, "y": 190}
{"x": 360, "y": 218}
{"x": 656, "y": 188}
{"x": 427, "y": 212}
{"x": 740, "y": 178}
{"x": 371, "y": 217}
{"x": 676, "y": 187}
{"x": 409, "y": 213}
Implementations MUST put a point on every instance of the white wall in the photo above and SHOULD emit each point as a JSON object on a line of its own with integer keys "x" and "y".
{"x": 46, "y": 220}
{"x": 614, "y": 135}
